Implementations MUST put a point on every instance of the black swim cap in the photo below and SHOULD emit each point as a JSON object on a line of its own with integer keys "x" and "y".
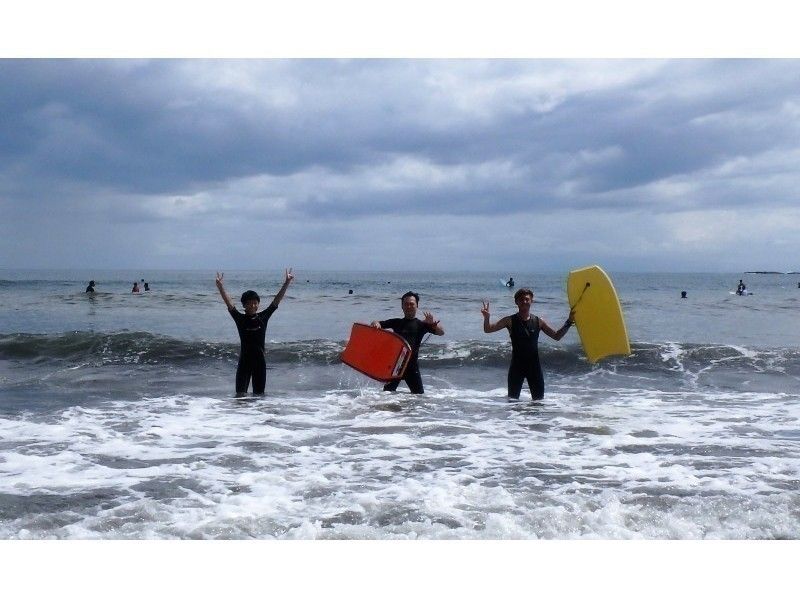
{"x": 248, "y": 295}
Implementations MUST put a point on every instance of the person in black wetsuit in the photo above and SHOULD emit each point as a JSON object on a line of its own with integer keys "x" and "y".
{"x": 524, "y": 328}
{"x": 413, "y": 330}
{"x": 90, "y": 288}
{"x": 252, "y": 327}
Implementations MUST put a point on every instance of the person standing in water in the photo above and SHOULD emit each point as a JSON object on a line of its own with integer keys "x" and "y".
{"x": 524, "y": 328}
{"x": 252, "y": 327}
{"x": 413, "y": 330}
{"x": 90, "y": 288}
{"x": 135, "y": 288}
{"x": 740, "y": 288}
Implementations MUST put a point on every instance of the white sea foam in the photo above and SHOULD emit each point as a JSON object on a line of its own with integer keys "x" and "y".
{"x": 449, "y": 464}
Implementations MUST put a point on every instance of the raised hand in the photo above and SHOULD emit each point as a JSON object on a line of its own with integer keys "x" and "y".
{"x": 429, "y": 319}
{"x": 289, "y": 277}
{"x": 485, "y": 309}
{"x": 220, "y": 275}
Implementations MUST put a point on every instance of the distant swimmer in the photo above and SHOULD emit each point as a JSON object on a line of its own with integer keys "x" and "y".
{"x": 135, "y": 288}
{"x": 413, "y": 330}
{"x": 524, "y": 328}
{"x": 741, "y": 288}
{"x": 90, "y": 288}
{"x": 252, "y": 328}
{"x": 683, "y": 294}
{"x": 147, "y": 286}
{"x": 510, "y": 282}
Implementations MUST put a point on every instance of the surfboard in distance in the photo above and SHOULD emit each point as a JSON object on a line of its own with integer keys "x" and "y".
{"x": 379, "y": 354}
{"x": 598, "y": 314}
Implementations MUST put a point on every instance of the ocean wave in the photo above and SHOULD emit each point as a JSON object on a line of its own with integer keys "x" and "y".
{"x": 118, "y": 348}
{"x": 96, "y": 348}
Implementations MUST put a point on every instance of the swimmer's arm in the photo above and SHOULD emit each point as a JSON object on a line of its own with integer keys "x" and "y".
{"x": 289, "y": 277}
{"x": 221, "y": 289}
{"x": 557, "y": 334}
{"x": 499, "y": 325}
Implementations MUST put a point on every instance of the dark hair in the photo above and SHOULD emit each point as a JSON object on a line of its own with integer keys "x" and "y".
{"x": 410, "y": 294}
{"x": 91, "y": 283}
{"x": 248, "y": 295}
{"x": 522, "y": 292}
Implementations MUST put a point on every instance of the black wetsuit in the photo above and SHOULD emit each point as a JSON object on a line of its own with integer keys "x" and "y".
{"x": 525, "y": 358}
{"x": 413, "y": 330}
{"x": 252, "y": 363}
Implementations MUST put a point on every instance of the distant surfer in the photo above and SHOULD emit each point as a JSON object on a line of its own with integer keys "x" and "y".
{"x": 252, "y": 327}
{"x": 413, "y": 330}
{"x": 740, "y": 288}
{"x": 135, "y": 288}
{"x": 524, "y": 328}
{"x": 147, "y": 286}
{"x": 683, "y": 294}
{"x": 90, "y": 288}
{"x": 510, "y": 282}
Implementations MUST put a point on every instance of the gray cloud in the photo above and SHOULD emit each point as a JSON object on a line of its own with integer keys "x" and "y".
{"x": 208, "y": 151}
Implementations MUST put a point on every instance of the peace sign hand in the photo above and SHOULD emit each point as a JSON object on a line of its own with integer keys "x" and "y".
{"x": 485, "y": 309}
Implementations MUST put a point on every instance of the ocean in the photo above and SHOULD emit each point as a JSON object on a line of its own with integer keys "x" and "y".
{"x": 118, "y": 418}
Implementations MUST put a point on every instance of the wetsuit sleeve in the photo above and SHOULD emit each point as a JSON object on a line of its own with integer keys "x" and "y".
{"x": 265, "y": 315}
{"x": 235, "y": 314}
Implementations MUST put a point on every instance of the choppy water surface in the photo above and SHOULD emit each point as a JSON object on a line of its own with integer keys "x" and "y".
{"x": 117, "y": 418}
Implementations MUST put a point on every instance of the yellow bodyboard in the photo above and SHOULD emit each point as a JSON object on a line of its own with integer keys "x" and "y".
{"x": 598, "y": 314}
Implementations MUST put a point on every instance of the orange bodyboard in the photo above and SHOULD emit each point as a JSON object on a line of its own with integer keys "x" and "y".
{"x": 377, "y": 353}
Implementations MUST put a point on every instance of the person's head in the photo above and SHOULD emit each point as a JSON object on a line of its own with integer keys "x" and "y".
{"x": 524, "y": 299}
{"x": 683, "y": 294}
{"x": 250, "y": 301}
{"x": 410, "y": 302}
{"x": 91, "y": 283}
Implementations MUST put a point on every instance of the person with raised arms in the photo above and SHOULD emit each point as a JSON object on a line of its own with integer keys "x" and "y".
{"x": 524, "y": 328}
{"x": 252, "y": 327}
{"x": 413, "y": 330}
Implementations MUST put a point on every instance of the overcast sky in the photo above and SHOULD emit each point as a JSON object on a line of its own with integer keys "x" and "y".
{"x": 497, "y": 165}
